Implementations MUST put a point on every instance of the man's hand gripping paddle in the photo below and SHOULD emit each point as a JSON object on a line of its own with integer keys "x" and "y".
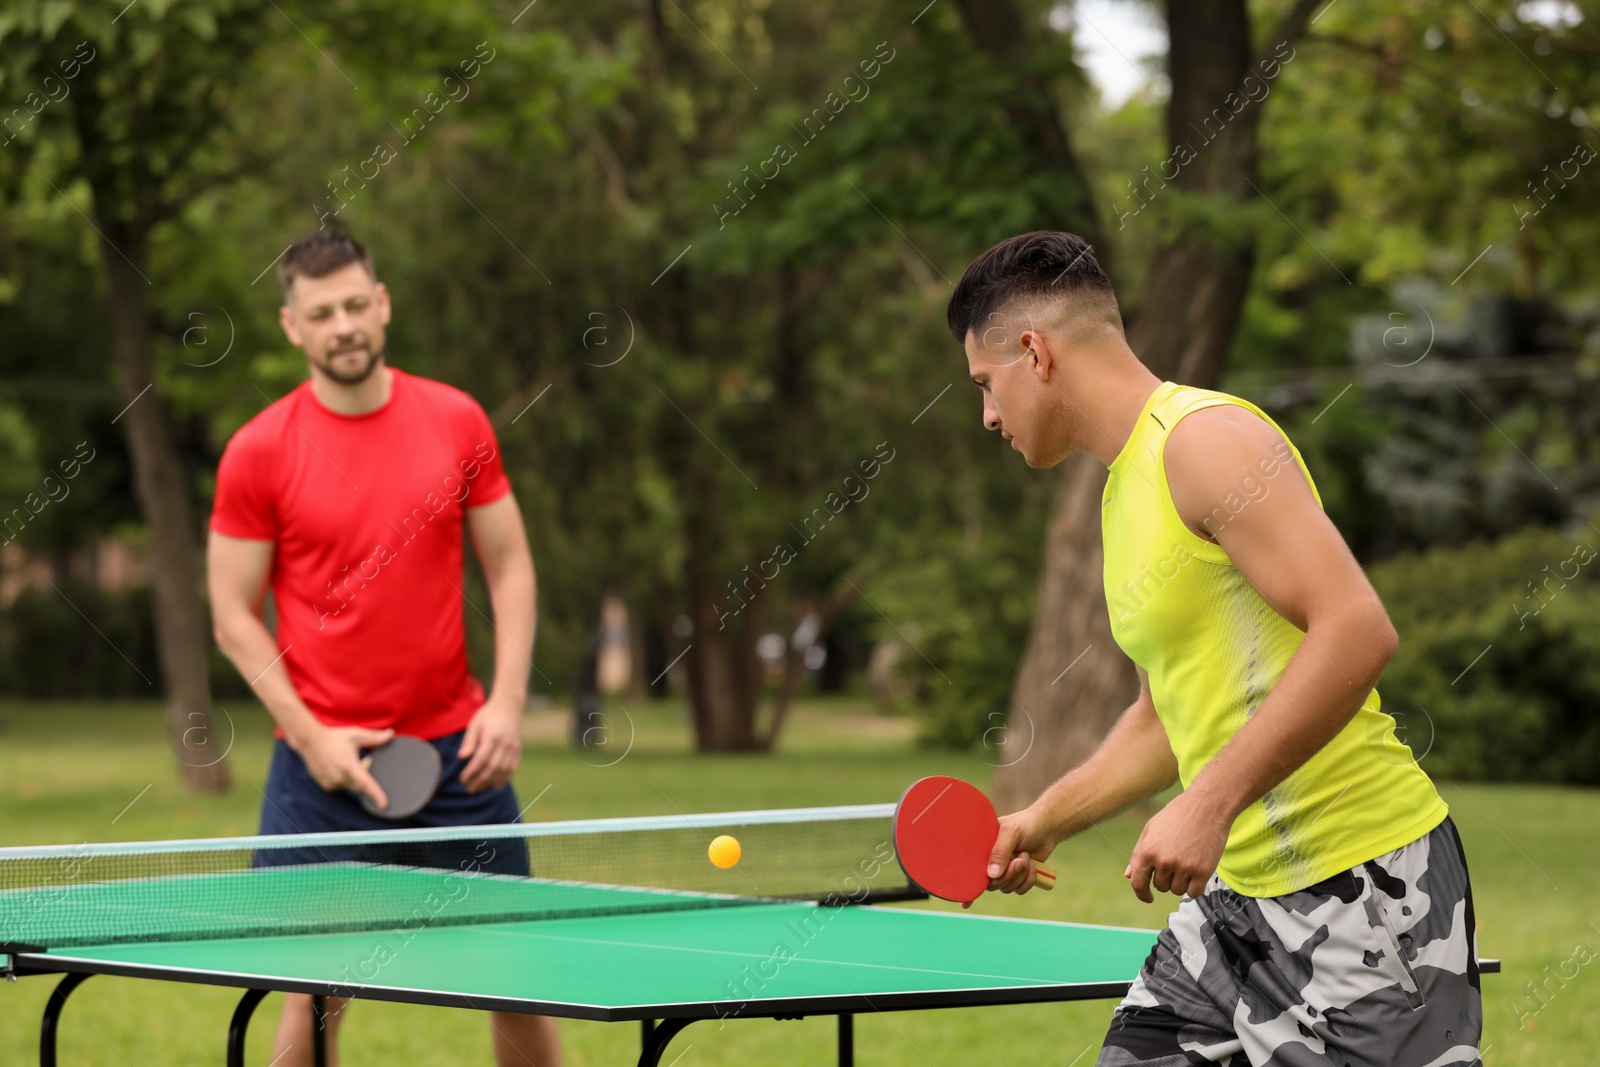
{"x": 408, "y": 770}
{"x": 944, "y": 830}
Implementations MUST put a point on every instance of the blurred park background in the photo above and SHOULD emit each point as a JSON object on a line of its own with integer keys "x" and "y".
{"x": 692, "y": 256}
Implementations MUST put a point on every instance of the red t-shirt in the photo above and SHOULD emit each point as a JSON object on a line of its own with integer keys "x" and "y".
{"x": 366, "y": 515}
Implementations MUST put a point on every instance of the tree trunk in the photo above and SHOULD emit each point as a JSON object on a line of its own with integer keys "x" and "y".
{"x": 182, "y": 633}
{"x": 1182, "y": 330}
{"x": 1074, "y": 679}
{"x": 722, "y": 668}
{"x": 724, "y": 672}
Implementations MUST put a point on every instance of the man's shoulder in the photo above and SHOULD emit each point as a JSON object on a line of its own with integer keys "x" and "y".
{"x": 438, "y": 395}
{"x": 1182, "y": 400}
{"x": 1212, "y": 419}
{"x": 267, "y": 427}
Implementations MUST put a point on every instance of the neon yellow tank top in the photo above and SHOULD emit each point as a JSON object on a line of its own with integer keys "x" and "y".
{"x": 1214, "y": 649}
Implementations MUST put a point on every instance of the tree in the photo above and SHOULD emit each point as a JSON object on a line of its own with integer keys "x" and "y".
{"x": 778, "y": 316}
{"x": 143, "y": 106}
{"x": 1182, "y": 328}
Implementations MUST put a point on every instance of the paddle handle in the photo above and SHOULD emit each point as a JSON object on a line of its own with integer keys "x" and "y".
{"x": 1044, "y": 876}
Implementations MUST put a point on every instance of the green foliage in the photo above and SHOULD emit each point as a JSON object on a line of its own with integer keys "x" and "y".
{"x": 974, "y": 610}
{"x": 961, "y": 607}
{"x": 49, "y": 644}
{"x": 18, "y": 452}
{"x": 80, "y": 640}
{"x": 1433, "y": 458}
{"x": 1441, "y": 118}
{"x": 526, "y": 231}
{"x": 1428, "y": 160}
{"x": 1498, "y": 671}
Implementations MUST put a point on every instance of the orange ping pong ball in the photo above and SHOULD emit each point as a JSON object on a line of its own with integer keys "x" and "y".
{"x": 724, "y": 851}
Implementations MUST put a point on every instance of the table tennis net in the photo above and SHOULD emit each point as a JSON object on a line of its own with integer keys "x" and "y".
{"x": 96, "y": 894}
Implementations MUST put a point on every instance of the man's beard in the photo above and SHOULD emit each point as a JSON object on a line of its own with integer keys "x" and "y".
{"x": 355, "y": 377}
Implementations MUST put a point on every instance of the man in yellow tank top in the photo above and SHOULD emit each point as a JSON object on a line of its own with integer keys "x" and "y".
{"x": 1327, "y": 913}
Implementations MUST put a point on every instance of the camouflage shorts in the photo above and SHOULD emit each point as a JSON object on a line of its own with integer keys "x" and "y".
{"x": 1374, "y": 967}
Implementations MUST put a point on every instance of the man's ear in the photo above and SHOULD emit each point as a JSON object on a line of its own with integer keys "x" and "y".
{"x": 385, "y": 308}
{"x": 286, "y": 320}
{"x": 1036, "y": 348}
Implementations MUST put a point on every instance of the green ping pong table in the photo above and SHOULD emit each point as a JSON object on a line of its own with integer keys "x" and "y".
{"x": 764, "y": 960}
{"x": 665, "y": 954}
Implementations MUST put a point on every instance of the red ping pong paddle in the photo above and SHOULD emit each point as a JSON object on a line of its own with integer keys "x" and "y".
{"x": 944, "y": 829}
{"x": 408, "y": 770}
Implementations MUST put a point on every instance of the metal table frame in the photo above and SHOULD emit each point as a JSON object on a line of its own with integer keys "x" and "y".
{"x": 659, "y": 1023}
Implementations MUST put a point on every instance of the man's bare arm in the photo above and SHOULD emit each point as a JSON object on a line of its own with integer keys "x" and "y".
{"x": 493, "y": 743}
{"x": 1133, "y": 763}
{"x": 501, "y": 545}
{"x": 1288, "y": 549}
{"x": 236, "y": 577}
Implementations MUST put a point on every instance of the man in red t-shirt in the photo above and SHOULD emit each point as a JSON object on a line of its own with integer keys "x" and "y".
{"x": 349, "y": 497}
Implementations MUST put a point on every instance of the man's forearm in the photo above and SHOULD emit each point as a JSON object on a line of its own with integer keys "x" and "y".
{"x": 513, "y": 591}
{"x": 1321, "y": 689}
{"x": 1134, "y": 762}
{"x": 250, "y": 646}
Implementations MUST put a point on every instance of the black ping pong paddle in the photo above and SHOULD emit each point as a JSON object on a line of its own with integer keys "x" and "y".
{"x": 944, "y": 829}
{"x": 408, "y": 770}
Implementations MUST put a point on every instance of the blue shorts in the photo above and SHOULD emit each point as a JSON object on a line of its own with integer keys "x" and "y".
{"x": 293, "y": 803}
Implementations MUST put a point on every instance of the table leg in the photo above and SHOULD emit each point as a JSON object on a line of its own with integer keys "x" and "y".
{"x": 656, "y": 1038}
{"x": 319, "y": 1030}
{"x": 847, "y": 1041}
{"x": 240, "y": 1024}
{"x": 51, "y": 1022}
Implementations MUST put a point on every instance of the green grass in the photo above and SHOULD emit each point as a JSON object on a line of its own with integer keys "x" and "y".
{"x": 101, "y": 772}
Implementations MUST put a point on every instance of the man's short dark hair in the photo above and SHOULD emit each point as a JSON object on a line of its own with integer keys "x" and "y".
{"x": 1030, "y": 265}
{"x": 320, "y": 254}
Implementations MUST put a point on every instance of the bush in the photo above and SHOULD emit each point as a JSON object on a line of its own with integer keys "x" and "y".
{"x": 85, "y": 642}
{"x": 1498, "y": 672}
{"x": 80, "y": 642}
{"x": 967, "y": 611}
